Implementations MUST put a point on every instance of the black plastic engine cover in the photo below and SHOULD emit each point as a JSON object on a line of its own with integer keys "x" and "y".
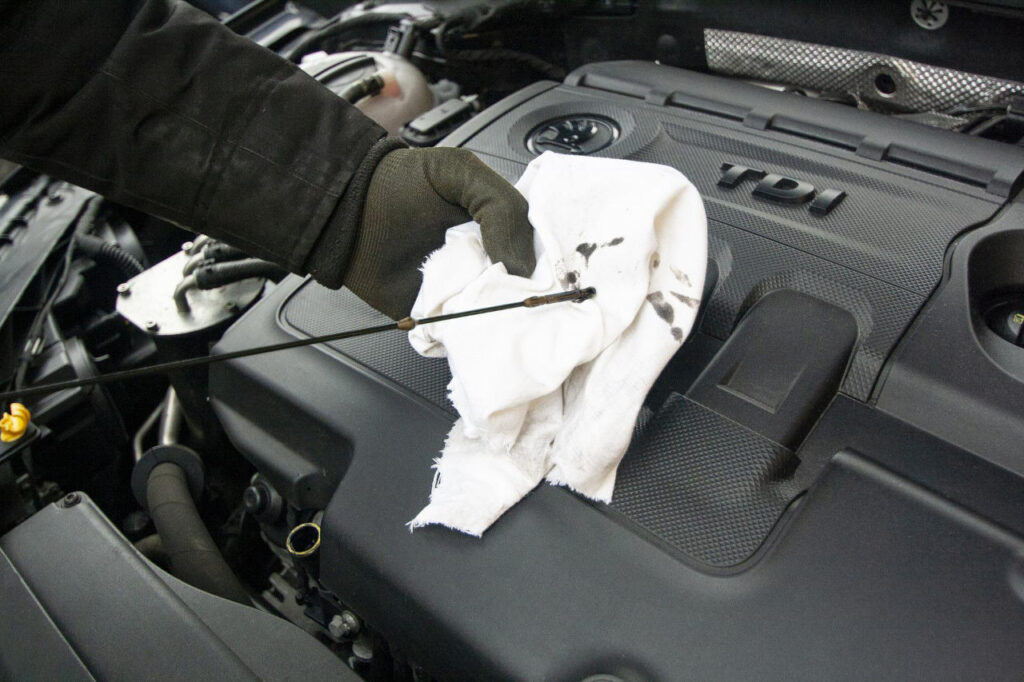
{"x": 748, "y": 538}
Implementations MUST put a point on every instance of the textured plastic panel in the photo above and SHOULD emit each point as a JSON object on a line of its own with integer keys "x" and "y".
{"x": 951, "y": 359}
{"x": 892, "y": 227}
{"x": 315, "y": 310}
{"x": 887, "y": 142}
{"x": 708, "y": 488}
{"x": 125, "y": 619}
{"x": 573, "y": 584}
{"x": 552, "y": 576}
{"x": 750, "y": 266}
{"x": 774, "y": 375}
{"x": 697, "y": 480}
{"x": 704, "y": 484}
{"x": 888, "y": 227}
{"x": 878, "y": 254}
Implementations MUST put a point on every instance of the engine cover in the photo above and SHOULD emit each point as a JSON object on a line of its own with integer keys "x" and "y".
{"x": 767, "y": 514}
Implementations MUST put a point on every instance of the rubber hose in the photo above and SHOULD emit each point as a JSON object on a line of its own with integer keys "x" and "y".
{"x": 106, "y": 252}
{"x": 555, "y": 73}
{"x": 219, "y": 252}
{"x": 305, "y": 44}
{"x": 193, "y": 555}
{"x": 219, "y": 274}
{"x": 90, "y": 216}
{"x": 542, "y": 67}
{"x": 152, "y": 547}
{"x": 364, "y": 87}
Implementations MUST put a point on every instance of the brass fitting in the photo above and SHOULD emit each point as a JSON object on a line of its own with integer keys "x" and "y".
{"x": 303, "y": 540}
{"x": 576, "y": 295}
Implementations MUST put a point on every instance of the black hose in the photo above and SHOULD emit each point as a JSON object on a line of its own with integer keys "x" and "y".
{"x": 220, "y": 274}
{"x": 542, "y": 67}
{"x": 219, "y": 251}
{"x": 111, "y": 254}
{"x": 152, "y": 547}
{"x": 497, "y": 54}
{"x": 364, "y": 87}
{"x": 193, "y": 555}
{"x": 306, "y": 43}
{"x": 85, "y": 221}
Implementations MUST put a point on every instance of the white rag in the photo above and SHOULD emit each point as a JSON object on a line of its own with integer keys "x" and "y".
{"x": 553, "y": 392}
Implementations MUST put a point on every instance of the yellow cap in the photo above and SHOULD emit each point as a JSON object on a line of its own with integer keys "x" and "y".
{"x": 14, "y": 423}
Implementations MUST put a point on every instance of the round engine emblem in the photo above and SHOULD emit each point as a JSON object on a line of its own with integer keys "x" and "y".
{"x": 573, "y": 135}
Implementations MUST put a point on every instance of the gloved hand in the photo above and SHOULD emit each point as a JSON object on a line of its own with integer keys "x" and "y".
{"x": 414, "y": 196}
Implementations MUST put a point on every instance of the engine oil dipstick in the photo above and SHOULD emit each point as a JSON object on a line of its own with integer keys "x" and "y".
{"x": 406, "y": 324}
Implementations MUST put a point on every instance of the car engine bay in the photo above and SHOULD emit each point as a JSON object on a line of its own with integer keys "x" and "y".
{"x": 827, "y": 478}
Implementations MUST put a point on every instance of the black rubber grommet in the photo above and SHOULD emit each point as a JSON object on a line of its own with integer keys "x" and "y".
{"x": 186, "y": 458}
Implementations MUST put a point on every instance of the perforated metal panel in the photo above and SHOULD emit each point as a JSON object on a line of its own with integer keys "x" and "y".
{"x": 914, "y": 86}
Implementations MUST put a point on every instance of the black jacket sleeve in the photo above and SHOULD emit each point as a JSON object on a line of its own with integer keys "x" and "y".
{"x": 157, "y": 106}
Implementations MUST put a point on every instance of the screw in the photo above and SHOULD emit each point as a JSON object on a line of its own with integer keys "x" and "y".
{"x": 71, "y": 499}
{"x": 55, "y": 198}
{"x": 187, "y": 247}
{"x": 124, "y": 288}
{"x": 231, "y": 306}
{"x": 152, "y": 325}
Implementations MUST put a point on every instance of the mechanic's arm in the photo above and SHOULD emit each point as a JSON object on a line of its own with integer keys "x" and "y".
{"x": 157, "y": 106}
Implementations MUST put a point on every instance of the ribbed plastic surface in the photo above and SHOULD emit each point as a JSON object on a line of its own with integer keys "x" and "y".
{"x": 703, "y": 484}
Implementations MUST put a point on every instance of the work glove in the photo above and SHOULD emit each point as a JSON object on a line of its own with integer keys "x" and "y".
{"x": 413, "y": 197}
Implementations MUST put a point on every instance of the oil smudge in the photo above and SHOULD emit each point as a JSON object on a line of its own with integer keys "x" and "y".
{"x": 662, "y": 307}
{"x": 677, "y": 334}
{"x": 681, "y": 276}
{"x": 687, "y": 300}
{"x": 586, "y": 250}
{"x": 655, "y": 260}
{"x": 614, "y": 242}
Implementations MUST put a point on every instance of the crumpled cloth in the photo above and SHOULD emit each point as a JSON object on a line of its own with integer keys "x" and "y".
{"x": 553, "y": 392}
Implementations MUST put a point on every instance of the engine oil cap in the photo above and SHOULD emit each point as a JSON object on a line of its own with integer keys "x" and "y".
{"x": 576, "y": 134}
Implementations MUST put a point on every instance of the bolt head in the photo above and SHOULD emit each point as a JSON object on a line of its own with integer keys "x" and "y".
{"x": 344, "y": 624}
{"x": 187, "y": 246}
{"x": 124, "y": 288}
{"x": 71, "y": 499}
{"x": 231, "y": 306}
{"x": 255, "y": 499}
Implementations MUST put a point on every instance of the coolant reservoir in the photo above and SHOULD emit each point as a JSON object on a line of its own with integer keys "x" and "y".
{"x": 389, "y": 109}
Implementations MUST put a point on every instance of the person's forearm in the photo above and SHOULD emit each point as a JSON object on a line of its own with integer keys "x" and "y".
{"x": 159, "y": 107}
